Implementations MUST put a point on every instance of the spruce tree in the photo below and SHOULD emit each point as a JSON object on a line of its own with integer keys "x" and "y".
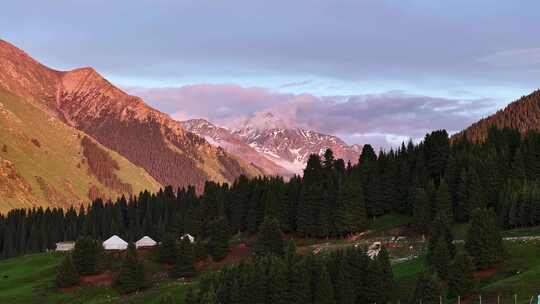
{"x": 422, "y": 209}
{"x": 185, "y": 261}
{"x": 323, "y": 291}
{"x": 66, "y": 274}
{"x": 276, "y": 282}
{"x": 483, "y": 243}
{"x": 88, "y": 256}
{"x": 167, "y": 249}
{"x": 440, "y": 230}
{"x": 132, "y": 274}
{"x": 373, "y": 291}
{"x": 343, "y": 289}
{"x": 461, "y": 277}
{"x": 441, "y": 259}
{"x": 386, "y": 270}
{"x": 443, "y": 202}
{"x": 269, "y": 238}
{"x": 218, "y": 243}
{"x": 300, "y": 286}
{"x": 428, "y": 289}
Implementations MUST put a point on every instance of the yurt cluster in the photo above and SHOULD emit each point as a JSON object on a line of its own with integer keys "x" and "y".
{"x": 112, "y": 243}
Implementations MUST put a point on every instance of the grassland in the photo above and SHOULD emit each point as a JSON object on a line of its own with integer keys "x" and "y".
{"x": 30, "y": 279}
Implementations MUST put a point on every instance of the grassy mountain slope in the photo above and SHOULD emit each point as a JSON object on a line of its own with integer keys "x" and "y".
{"x": 148, "y": 138}
{"x": 42, "y": 161}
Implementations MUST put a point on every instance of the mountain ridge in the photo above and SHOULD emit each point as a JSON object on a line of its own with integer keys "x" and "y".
{"x": 277, "y": 141}
{"x": 522, "y": 114}
{"x": 150, "y": 139}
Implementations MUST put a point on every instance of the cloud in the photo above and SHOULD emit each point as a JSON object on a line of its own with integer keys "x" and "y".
{"x": 427, "y": 45}
{"x": 383, "y": 119}
{"x": 515, "y": 58}
{"x": 296, "y": 84}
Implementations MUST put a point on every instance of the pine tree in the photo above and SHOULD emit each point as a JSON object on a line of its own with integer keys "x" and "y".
{"x": 343, "y": 289}
{"x": 132, "y": 275}
{"x": 483, "y": 243}
{"x": 440, "y": 230}
{"x": 386, "y": 270}
{"x": 441, "y": 259}
{"x": 276, "y": 282}
{"x": 421, "y": 209}
{"x": 218, "y": 243}
{"x": 428, "y": 289}
{"x": 461, "y": 277}
{"x": 88, "y": 256}
{"x": 185, "y": 261}
{"x": 373, "y": 283}
{"x": 300, "y": 288}
{"x": 443, "y": 202}
{"x": 323, "y": 291}
{"x": 167, "y": 249}
{"x": 66, "y": 274}
{"x": 269, "y": 239}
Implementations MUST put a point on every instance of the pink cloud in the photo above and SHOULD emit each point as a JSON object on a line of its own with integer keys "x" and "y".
{"x": 381, "y": 118}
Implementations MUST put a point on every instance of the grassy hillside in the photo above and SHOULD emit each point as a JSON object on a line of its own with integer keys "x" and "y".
{"x": 29, "y": 279}
{"x": 42, "y": 162}
{"x": 519, "y": 274}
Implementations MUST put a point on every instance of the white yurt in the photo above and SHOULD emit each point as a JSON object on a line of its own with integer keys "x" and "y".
{"x": 145, "y": 241}
{"x": 115, "y": 243}
{"x": 190, "y": 237}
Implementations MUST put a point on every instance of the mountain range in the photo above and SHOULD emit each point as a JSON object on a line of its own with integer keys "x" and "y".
{"x": 268, "y": 142}
{"x": 71, "y": 136}
{"x": 68, "y": 137}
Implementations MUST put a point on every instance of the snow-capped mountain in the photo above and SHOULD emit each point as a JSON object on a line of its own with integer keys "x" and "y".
{"x": 290, "y": 146}
{"x": 271, "y": 143}
{"x": 232, "y": 143}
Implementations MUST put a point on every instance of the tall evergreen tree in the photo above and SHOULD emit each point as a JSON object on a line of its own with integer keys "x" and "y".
{"x": 422, "y": 209}
{"x": 132, "y": 274}
{"x": 88, "y": 256}
{"x": 461, "y": 278}
{"x": 343, "y": 289}
{"x": 443, "y": 202}
{"x": 66, "y": 274}
{"x": 218, "y": 243}
{"x": 428, "y": 289}
{"x": 167, "y": 249}
{"x": 387, "y": 274}
{"x": 441, "y": 259}
{"x": 483, "y": 242}
{"x": 323, "y": 291}
{"x": 269, "y": 238}
{"x": 184, "y": 265}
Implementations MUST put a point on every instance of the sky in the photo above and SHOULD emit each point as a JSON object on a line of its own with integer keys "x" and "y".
{"x": 369, "y": 71}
